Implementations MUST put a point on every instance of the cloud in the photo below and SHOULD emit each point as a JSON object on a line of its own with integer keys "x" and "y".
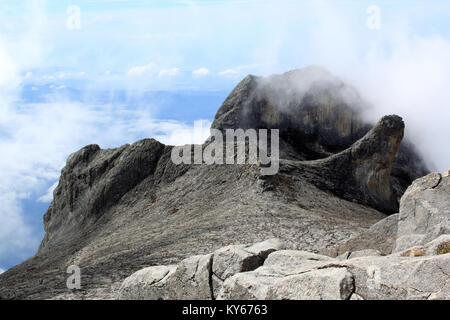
{"x": 52, "y": 86}
{"x": 141, "y": 70}
{"x": 239, "y": 70}
{"x": 396, "y": 68}
{"x": 48, "y": 197}
{"x": 200, "y": 72}
{"x": 38, "y": 142}
{"x": 229, "y": 72}
{"x": 18, "y": 178}
{"x": 36, "y": 138}
{"x": 1, "y": 270}
{"x": 172, "y": 72}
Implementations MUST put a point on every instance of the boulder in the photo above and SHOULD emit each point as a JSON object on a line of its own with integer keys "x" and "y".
{"x": 262, "y": 271}
{"x": 424, "y": 212}
{"x": 240, "y": 258}
{"x": 326, "y": 284}
{"x": 147, "y": 284}
{"x": 289, "y": 274}
{"x": 198, "y": 277}
{"x": 400, "y": 278}
{"x": 191, "y": 279}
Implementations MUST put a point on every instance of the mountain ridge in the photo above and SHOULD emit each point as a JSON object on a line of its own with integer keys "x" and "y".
{"x": 116, "y": 211}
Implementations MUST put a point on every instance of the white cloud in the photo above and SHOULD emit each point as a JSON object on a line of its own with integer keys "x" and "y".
{"x": 48, "y": 197}
{"x": 200, "y": 72}
{"x": 52, "y": 86}
{"x": 229, "y": 72}
{"x": 37, "y": 138}
{"x": 396, "y": 69}
{"x": 1, "y": 270}
{"x": 141, "y": 70}
{"x": 172, "y": 72}
{"x": 238, "y": 70}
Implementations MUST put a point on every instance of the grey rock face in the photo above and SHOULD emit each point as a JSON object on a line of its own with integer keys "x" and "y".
{"x": 93, "y": 181}
{"x": 318, "y": 115}
{"x": 309, "y": 106}
{"x": 424, "y": 211}
{"x": 363, "y": 171}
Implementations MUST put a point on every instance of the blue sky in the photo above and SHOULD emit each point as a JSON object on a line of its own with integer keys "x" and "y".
{"x": 138, "y": 69}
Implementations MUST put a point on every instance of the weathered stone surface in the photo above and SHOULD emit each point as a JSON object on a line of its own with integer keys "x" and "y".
{"x": 293, "y": 274}
{"x": 230, "y": 260}
{"x": 440, "y": 245}
{"x": 147, "y": 284}
{"x": 363, "y": 171}
{"x": 380, "y": 237}
{"x": 326, "y": 284}
{"x": 399, "y": 278}
{"x": 233, "y": 259}
{"x": 359, "y": 253}
{"x": 93, "y": 181}
{"x": 388, "y": 277}
{"x": 191, "y": 279}
{"x": 424, "y": 212}
{"x": 289, "y": 274}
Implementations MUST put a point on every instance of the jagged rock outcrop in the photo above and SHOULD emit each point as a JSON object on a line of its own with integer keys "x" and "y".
{"x": 117, "y": 211}
{"x": 363, "y": 171}
{"x": 318, "y": 115}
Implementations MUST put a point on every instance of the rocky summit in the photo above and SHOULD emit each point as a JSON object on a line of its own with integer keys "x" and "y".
{"x": 350, "y": 214}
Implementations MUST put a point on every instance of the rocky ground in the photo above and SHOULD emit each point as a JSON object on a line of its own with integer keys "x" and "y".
{"x": 117, "y": 211}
